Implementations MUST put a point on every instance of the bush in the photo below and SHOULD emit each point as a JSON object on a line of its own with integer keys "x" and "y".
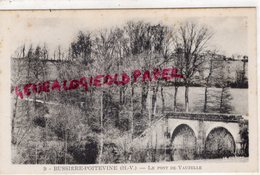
{"x": 84, "y": 152}
{"x": 111, "y": 153}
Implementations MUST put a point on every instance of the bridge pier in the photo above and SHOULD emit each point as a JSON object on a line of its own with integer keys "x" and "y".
{"x": 201, "y": 138}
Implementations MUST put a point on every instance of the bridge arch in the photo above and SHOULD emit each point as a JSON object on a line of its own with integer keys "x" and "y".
{"x": 232, "y": 128}
{"x": 183, "y": 143}
{"x": 219, "y": 143}
{"x": 174, "y": 123}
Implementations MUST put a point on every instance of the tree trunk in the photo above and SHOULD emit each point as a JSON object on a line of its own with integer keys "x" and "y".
{"x": 207, "y": 84}
{"x": 132, "y": 112}
{"x": 205, "y": 99}
{"x": 175, "y": 98}
{"x": 154, "y": 99}
{"x": 186, "y": 98}
{"x": 221, "y": 99}
{"x": 155, "y": 149}
{"x": 46, "y": 126}
{"x": 65, "y": 146}
{"x": 101, "y": 127}
{"x": 144, "y": 97}
{"x": 45, "y": 141}
{"x": 163, "y": 101}
{"x": 121, "y": 95}
{"x": 14, "y": 141}
{"x": 124, "y": 96}
{"x": 166, "y": 131}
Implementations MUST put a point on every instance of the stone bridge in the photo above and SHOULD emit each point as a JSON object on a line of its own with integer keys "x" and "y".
{"x": 192, "y": 135}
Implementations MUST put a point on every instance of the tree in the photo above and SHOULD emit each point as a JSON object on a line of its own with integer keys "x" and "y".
{"x": 151, "y": 43}
{"x": 193, "y": 40}
{"x": 178, "y": 63}
{"x": 207, "y": 74}
{"x": 241, "y": 79}
{"x": 243, "y": 132}
{"x": 81, "y": 48}
{"x": 103, "y": 50}
{"x": 223, "y": 81}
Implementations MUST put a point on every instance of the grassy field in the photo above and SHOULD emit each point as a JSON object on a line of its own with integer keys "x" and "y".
{"x": 196, "y": 98}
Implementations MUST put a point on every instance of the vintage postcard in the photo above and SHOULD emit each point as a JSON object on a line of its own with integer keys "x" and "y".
{"x": 128, "y": 91}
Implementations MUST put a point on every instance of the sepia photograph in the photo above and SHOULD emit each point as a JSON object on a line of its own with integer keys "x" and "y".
{"x": 131, "y": 87}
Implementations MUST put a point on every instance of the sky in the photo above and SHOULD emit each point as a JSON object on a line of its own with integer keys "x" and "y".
{"x": 230, "y": 32}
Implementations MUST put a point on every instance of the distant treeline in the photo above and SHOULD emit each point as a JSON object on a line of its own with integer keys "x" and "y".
{"x": 236, "y": 84}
